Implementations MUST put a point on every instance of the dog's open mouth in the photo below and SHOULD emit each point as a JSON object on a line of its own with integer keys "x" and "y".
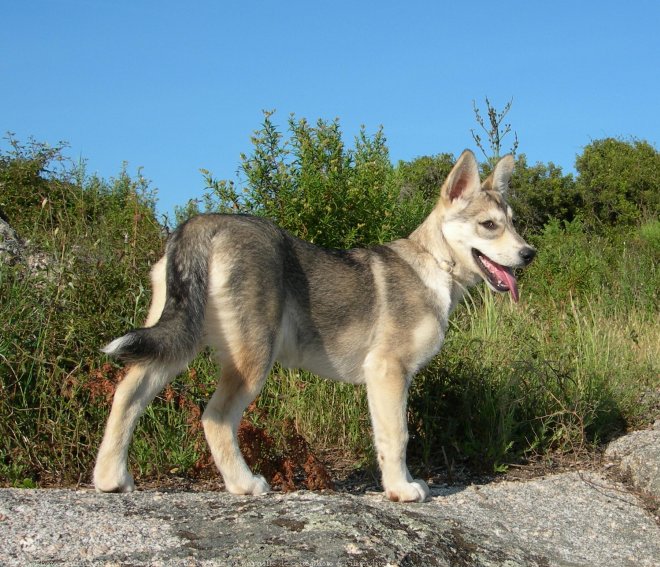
{"x": 501, "y": 278}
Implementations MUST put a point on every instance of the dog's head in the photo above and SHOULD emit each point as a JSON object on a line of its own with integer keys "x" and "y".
{"x": 477, "y": 224}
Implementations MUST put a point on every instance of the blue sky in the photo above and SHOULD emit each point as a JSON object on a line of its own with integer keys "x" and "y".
{"x": 173, "y": 87}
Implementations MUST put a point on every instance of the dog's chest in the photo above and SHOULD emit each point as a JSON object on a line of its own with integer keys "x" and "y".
{"x": 426, "y": 340}
{"x": 439, "y": 285}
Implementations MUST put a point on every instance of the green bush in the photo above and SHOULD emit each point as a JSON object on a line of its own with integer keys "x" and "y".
{"x": 29, "y": 180}
{"x": 540, "y": 193}
{"x": 618, "y": 181}
{"x": 423, "y": 176}
{"x": 312, "y": 185}
{"x": 619, "y": 268}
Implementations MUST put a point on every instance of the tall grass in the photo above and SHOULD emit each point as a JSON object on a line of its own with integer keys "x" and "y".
{"x": 574, "y": 363}
{"x": 89, "y": 243}
{"x": 510, "y": 383}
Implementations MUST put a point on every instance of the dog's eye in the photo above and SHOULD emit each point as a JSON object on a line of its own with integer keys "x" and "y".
{"x": 489, "y": 225}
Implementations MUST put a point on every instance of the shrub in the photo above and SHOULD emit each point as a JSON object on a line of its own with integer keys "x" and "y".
{"x": 423, "y": 176}
{"x": 540, "y": 193}
{"x": 312, "y": 185}
{"x": 618, "y": 182}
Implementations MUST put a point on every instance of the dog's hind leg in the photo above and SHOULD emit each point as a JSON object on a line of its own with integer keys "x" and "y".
{"x": 133, "y": 394}
{"x": 238, "y": 386}
{"x": 387, "y": 392}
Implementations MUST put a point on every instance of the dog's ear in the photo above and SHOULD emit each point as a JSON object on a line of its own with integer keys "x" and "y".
{"x": 498, "y": 180}
{"x": 463, "y": 179}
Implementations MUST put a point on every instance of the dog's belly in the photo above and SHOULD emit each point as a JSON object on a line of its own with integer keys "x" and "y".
{"x": 332, "y": 351}
{"x": 347, "y": 369}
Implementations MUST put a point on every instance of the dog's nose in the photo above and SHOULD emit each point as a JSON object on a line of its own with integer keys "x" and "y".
{"x": 527, "y": 254}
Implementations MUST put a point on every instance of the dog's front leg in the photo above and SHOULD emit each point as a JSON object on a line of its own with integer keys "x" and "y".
{"x": 387, "y": 392}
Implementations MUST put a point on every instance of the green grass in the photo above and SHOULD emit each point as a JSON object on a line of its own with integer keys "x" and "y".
{"x": 574, "y": 363}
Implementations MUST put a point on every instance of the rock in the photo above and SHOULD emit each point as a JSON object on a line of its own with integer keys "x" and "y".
{"x": 15, "y": 250}
{"x": 638, "y": 456}
{"x": 11, "y": 246}
{"x": 569, "y": 519}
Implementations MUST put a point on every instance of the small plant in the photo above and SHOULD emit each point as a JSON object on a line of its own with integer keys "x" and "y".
{"x": 495, "y": 130}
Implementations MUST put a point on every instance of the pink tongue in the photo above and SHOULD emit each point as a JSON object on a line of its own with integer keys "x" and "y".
{"x": 511, "y": 282}
{"x": 503, "y": 274}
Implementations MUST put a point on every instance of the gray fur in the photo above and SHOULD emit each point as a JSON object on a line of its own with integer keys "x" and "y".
{"x": 257, "y": 295}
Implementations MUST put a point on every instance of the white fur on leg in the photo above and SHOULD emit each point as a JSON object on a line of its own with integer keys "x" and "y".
{"x": 397, "y": 481}
{"x": 133, "y": 394}
{"x": 251, "y": 484}
{"x": 415, "y": 491}
{"x": 220, "y": 420}
{"x": 227, "y": 456}
{"x": 387, "y": 390}
{"x": 111, "y": 474}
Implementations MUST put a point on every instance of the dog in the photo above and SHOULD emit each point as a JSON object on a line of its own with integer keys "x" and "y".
{"x": 258, "y": 295}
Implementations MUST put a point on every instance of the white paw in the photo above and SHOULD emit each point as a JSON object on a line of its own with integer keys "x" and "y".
{"x": 254, "y": 486}
{"x": 111, "y": 479}
{"x": 415, "y": 491}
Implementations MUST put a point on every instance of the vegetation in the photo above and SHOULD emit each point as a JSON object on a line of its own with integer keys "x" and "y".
{"x": 619, "y": 182}
{"x": 574, "y": 363}
{"x": 89, "y": 246}
{"x": 314, "y": 186}
{"x": 495, "y": 130}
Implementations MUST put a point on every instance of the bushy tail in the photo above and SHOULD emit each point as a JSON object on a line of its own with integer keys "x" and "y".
{"x": 176, "y": 336}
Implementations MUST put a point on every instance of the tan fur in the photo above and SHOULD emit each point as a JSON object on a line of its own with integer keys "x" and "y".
{"x": 372, "y": 316}
{"x": 158, "y": 292}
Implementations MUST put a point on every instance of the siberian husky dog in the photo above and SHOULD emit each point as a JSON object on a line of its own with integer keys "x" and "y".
{"x": 258, "y": 295}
